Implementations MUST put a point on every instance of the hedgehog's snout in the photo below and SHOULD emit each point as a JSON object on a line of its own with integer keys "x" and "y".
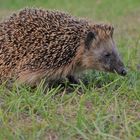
{"x": 122, "y": 71}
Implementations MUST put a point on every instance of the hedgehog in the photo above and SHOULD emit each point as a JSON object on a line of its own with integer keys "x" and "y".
{"x": 38, "y": 44}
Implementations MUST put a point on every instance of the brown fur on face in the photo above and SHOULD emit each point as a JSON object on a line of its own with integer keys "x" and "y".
{"x": 102, "y": 53}
{"x": 36, "y": 44}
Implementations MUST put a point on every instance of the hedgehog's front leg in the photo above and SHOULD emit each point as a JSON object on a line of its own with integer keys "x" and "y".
{"x": 72, "y": 79}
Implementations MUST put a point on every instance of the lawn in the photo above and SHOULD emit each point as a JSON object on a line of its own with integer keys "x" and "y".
{"x": 108, "y": 108}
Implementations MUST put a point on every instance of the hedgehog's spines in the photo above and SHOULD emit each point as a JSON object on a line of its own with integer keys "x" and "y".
{"x": 36, "y": 40}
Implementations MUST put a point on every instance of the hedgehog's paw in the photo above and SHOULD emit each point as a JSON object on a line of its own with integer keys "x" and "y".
{"x": 72, "y": 79}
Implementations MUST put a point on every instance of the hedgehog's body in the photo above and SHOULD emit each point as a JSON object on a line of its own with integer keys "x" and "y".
{"x": 36, "y": 43}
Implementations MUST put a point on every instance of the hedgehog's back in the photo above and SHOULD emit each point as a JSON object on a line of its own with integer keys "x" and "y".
{"x": 34, "y": 39}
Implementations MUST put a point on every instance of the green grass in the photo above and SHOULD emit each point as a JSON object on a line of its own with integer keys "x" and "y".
{"x": 106, "y": 109}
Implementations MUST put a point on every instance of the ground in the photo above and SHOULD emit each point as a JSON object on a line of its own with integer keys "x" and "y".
{"x": 108, "y": 108}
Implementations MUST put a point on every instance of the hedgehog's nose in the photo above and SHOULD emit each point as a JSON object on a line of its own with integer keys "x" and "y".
{"x": 123, "y": 72}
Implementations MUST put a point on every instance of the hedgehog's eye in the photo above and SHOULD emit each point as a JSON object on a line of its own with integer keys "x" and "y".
{"x": 107, "y": 55}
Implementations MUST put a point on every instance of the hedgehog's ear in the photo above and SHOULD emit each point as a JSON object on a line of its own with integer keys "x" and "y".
{"x": 89, "y": 38}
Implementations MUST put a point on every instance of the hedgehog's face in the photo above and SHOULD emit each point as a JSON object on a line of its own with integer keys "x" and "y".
{"x": 101, "y": 52}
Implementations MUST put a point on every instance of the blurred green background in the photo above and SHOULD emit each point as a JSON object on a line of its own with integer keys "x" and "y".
{"x": 104, "y": 9}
